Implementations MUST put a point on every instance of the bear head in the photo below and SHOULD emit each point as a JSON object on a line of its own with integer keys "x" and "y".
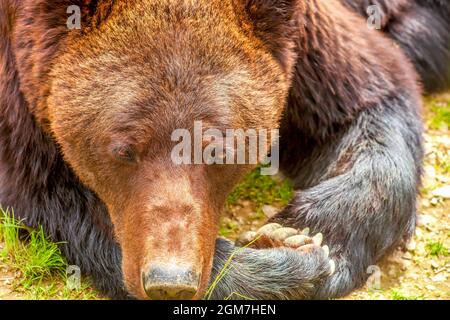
{"x": 117, "y": 89}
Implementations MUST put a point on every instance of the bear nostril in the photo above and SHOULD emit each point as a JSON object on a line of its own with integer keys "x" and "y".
{"x": 170, "y": 293}
{"x": 170, "y": 283}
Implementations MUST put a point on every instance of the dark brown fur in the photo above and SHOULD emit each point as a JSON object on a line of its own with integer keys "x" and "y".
{"x": 421, "y": 28}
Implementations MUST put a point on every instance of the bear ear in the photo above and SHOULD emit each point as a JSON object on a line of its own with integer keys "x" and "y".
{"x": 39, "y": 31}
{"x": 94, "y": 12}
{"x": 276, "y": 23}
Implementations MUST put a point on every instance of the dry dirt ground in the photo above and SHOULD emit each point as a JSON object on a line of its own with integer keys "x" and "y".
{"x": 419, "y": 270}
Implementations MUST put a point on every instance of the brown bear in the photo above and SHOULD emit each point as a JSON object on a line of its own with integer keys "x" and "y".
{"x": 85, "y": 140}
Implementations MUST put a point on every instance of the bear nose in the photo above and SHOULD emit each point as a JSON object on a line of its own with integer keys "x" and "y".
{"x": 170, "y": 283}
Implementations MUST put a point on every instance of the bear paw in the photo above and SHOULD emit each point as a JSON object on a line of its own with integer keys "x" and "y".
{"x": 273, "y": 235}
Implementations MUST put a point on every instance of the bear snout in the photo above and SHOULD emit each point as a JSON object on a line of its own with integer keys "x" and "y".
{"x": 170, "y": 282}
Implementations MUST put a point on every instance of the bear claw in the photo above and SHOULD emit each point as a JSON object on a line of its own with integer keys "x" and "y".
{"x": 283, "y": 233}
{"x": 332, "y": 267}
{"x": 247, "y": 237}
{"x": 326, "y": 249}
{"x": 297, "y": 241}
{"x": 273, "y": 235}
{"x": 317, "y": 239}
{"x": 268, "y": 229}
{"x": 305, "y": 231}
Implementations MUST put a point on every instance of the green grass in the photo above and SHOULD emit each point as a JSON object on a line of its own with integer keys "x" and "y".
{"x": 29, "y": 251}
{"x": 228, "y": 228}
{"x": 56, "y": 290}
{"x": 441, "y": 114}
{"x": 445, "y": 166}
{"x": 38, "y": 262}
{"x": 262, "y": 190}
{"x": 436, "y": 248}
{"x": 9, "y": 233}
{"x": 399, "y": 295}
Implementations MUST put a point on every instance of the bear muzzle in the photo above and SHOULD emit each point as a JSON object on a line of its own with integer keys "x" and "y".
{"x": 170, "y": 282}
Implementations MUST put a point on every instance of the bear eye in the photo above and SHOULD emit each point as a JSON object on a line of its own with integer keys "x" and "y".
{"x": 124, "y": 153}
